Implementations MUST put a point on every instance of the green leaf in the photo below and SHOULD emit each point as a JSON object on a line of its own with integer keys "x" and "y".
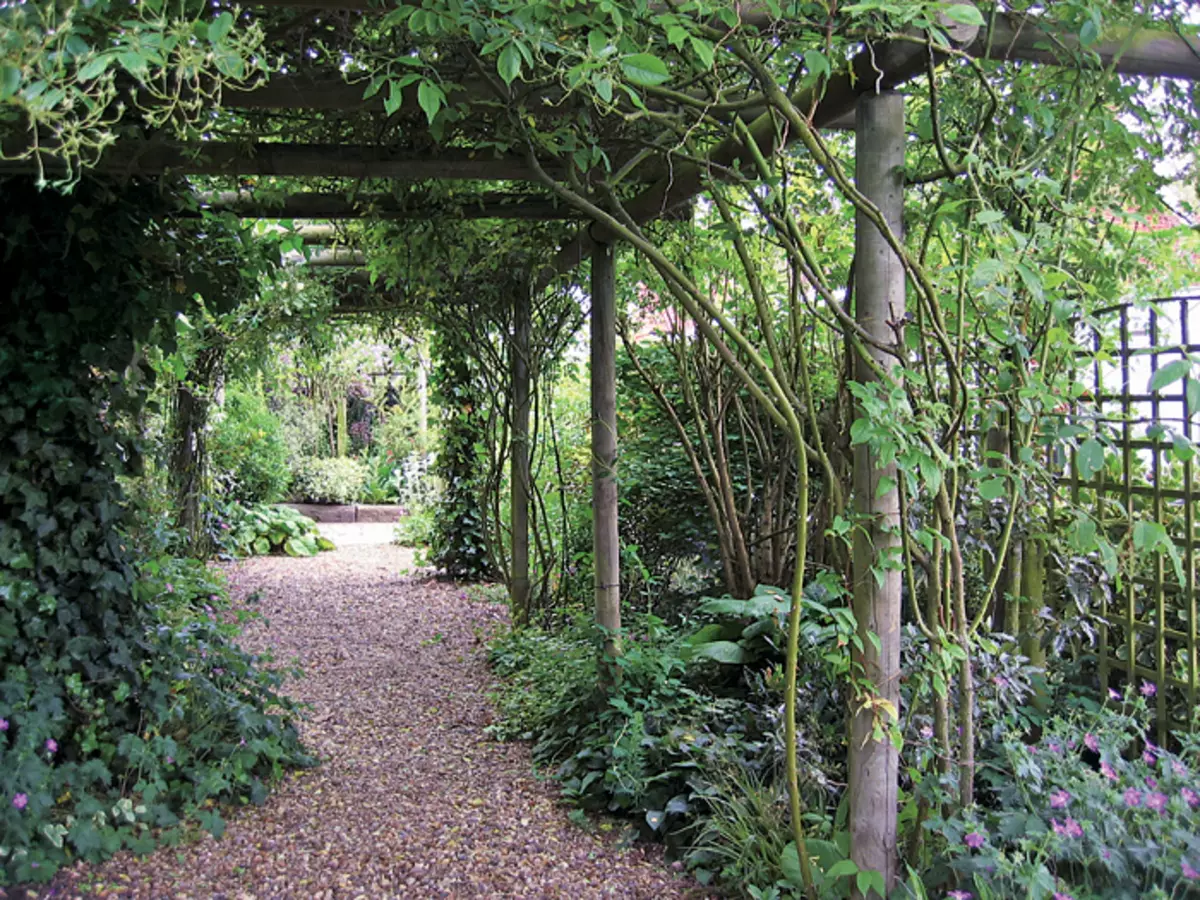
{"x": 726, "y": 652}
{"x": 604, "y": 88}
{"x": 992, "y": 489}
{"x": 817, "y": 63}
{"x": 1090, "y": 458}
{"x": 221, "y": 27}
{"x": 645, "y": 69}
{"x": 1192, "y": 391}
{"x": 841, "y": 869}
{"x": 432, "y": 98}
{"x": 10, "y": 81}
{"x": 963, "y": 13}
{"x": 509, "y": 63}
{"x": 704, "y": 51}
{"x": 1170, "y": 373}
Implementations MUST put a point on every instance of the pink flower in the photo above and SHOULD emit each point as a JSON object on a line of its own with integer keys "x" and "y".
{"x": 1059, "y": 895}
{"x": 1148, "y": 689}
{"x": 1114, "y": 694}
{"x": 170, "y": 588}
{"x": 1151, "y": 782}
{"x": 1089, "y": 741}
{"x": 1059, "y": 799}
{"x": 1108, "y": 771}
{"x": 1157, "y": 801}
{"x": 1190, "y": 797}
{"x": 52, "y": 745}
{"x": 3, "y": 724}
{"x": 1069, "y": 828}
{"x": 1179, "y": 768}
{"x": 1054, "y": 747}
{"x": 1133, "y": 797}
{"x": 1188, "y": 872}
{"x": 974, "y": 840}
{"x": 959, "y": 895}
{"x": 20, "y": 801}
{"x": 926, "y": 732}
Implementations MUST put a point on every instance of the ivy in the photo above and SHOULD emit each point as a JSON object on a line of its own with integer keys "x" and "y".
{"x": 117, "y": 718}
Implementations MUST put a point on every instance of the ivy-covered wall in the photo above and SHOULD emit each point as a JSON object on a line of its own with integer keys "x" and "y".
{"x": 113, "y": 720}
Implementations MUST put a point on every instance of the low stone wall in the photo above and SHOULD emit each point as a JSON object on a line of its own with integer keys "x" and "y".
{"x": 352, "y": 512}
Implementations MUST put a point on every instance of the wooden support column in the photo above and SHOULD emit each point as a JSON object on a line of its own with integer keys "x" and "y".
{"x": 879, "y": 299}
{"x": 519, "y": 360}
{"x": 605, "y": 539}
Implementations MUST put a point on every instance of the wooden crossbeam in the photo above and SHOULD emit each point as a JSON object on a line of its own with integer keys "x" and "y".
{"x": 335, "y": 160}
{"x": 314, "y": 205}
{"x": 1150, "y": 52}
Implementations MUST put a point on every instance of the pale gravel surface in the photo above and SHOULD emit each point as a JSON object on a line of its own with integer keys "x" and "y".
{"x": 412, "y": 799}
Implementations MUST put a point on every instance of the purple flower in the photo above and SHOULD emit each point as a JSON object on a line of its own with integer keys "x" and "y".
{"x": 170, "y": 760}
{"x": 1068, "y": 828}
{"x": 1188, "y": 872}
{"x": 959, "y": 895}
{"x": 1059, "y": 799}
{"x": 1148, "y": 689}
{"x": 1190, "y": 797}
{"x": 1179, "y": 768}
{"x": 1089, "y": 741}
{"x": 1133, "y": 797}
{"x": 926, "y": 732}
{"x": 52, "y": 745}
{"x": 3, "y": 724}
{"x": 20, "y": 801}
{"x": 1108, "y": 771}
{"x": 1114, "y": 694}
{"x": 974, "y": 840}
{"x": 1149, "y": 758}
{"x": 1156, "y": 801}
{"x": 1054, "y": 747}
{"x": 1059, "y": 895}
{"x": 1151, "y": 782}
{"x": 170, "y": 588}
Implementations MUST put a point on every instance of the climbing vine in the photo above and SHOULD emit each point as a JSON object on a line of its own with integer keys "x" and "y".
{"x": 115, "y": 720}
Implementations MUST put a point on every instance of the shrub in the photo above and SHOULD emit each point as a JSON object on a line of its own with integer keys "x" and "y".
{"x": 1090, "y": 810}
{"x": 259, "y": 530}
{"x": 248, "y": 456}
{"x": 337, "y": 480}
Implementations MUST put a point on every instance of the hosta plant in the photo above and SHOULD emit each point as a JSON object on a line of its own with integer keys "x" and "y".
{"x": 259, "y": 530}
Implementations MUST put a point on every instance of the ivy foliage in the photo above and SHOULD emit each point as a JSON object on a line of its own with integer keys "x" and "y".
{"x": 116, "y": 718}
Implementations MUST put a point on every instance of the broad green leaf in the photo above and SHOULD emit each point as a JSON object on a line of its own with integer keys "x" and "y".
{"x": 1090, "y": 458}
{"x": 817, "y": 63}
{"x": 432, "y": 98}
{"x": 645, "y": 69}
{"x": 1192, "y": 391}
{"x": 604, "y": 88}
{"x": 963, "y": 13}
{"x": 842, "y": 869}
{"x": 992, "y": 489}
{"x": 726, "y": 652}
{"x": 10, "y": 81}
{"x": 1169, "y": 374}
{"x": 509, "y": 63}
{"x": 221, "y": 27}
{"x": 704, "y": 51}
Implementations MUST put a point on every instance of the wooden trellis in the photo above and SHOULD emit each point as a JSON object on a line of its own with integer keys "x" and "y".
{"x": 1150, "y": 631}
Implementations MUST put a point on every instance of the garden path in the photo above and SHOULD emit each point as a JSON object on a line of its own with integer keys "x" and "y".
{"x": 412, "y": 798}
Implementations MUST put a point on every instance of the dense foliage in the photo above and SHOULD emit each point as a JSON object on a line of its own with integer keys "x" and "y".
{"x": 124, "y": 703}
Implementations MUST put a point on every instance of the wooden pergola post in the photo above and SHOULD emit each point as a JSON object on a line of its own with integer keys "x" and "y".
{"x": 605, "y": 536}
{"x": 879, "y": 303}
{"x": 519, "y": 349}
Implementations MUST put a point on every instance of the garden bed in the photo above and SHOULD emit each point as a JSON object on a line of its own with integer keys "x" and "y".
{"x": 350, "y": 512}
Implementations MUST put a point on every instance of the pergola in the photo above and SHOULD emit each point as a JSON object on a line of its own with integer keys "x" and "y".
{"x": 860, "y": 97}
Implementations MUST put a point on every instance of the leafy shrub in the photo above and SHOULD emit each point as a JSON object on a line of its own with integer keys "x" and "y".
{"x": 259, "y": 530}
{"x": 248, "y": 455}
{"x": 1091, "y": 810}
{"x": 121, "y": 708}
{"x": 415, "y": 529}
{"x": 384, "y": 477}
{"x": 337, "y": 480}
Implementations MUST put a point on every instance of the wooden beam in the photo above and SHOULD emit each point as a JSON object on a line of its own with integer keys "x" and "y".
{"x": 520, "y": 472}
{"x": 490, "y": 205}
{"x": 879, "y": 301}
{"x": 127, "y": 159}
{"x": 606, "y": 548}
{"x": 1151, "y": 52}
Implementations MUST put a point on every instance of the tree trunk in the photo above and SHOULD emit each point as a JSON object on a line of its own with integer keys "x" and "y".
{"x": 880, "y": 284}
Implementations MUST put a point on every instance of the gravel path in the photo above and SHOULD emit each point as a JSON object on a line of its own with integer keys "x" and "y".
{"x": 412, "y": 799}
